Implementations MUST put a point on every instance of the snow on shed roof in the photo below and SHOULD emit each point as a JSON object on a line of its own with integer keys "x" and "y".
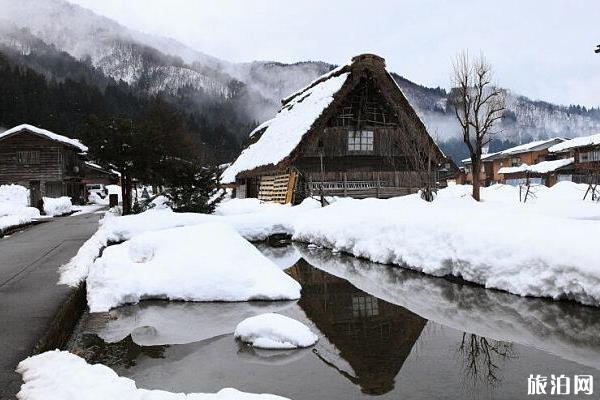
{"x": 576, "y": 142}
{"x": 540, "y": 168}
{"x": 284, "y": 132}
{"x": 522, "y": 148}
{"x": 42, "y": 132}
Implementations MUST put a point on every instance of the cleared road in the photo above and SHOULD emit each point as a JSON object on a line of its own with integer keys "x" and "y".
{"x": 29, "y": 295}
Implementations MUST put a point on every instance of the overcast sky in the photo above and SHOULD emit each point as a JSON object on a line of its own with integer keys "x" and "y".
{"x": 539, "y": 48}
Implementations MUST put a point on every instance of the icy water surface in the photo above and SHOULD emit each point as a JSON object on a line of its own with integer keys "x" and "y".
{"x": 384, "y": 332}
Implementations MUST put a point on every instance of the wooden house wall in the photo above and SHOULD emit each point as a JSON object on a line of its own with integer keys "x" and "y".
{"x": 54, "y": 173}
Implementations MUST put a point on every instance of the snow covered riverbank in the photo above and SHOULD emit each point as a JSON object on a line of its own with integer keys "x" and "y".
{"x": 545, "y": 247}
{"x": 65, "y": 376}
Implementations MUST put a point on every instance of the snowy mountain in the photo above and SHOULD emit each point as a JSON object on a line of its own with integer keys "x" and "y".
{"x": 156, "y": 64}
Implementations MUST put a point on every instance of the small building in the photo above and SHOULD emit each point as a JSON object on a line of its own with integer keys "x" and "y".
{"x": 585, "y": 152}
{"x": 95, "y": 174}
{"x": 351, "y": 132}
{"x": 545, "y": 173}
{"x": 47, "y": 163}
{"x": 524, "y": 154}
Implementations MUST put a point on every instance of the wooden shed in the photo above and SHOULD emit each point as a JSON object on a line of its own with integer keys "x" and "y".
{"x": 351, "y": 132}
{"x": 49, "y": 164}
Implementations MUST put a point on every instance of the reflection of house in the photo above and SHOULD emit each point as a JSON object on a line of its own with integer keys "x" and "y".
{"x": 527, "y": 153}
{"x": 375, "y": 337}
{"x": 47, "y": 163}
{"x": 351, "y": 132}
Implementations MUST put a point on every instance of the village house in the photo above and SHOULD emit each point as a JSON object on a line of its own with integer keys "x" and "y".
{"x": 585, "y": 153}
{"x": 507, "y": 166}
{"x": 350, "y": 132}
{"x": 48, "y": 164}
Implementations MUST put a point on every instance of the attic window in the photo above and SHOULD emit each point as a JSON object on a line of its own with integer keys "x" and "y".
{"x": 360, "y": 140}
{"x": 28, "y": 157}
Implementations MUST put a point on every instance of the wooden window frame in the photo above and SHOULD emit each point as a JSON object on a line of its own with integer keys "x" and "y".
{"x": 361, "y": 141}
{"x": 28, "y": 157}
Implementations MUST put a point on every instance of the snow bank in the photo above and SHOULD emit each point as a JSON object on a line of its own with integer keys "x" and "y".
{"x": 57, "y": 206}
{"x": 508, "y": 248}
{"x": 544, "y": 247}
{"x": 274, "y": 331}
{"x": 14, "y": 209}
{"x": 60, "y": 375}
{"x": 207, "y": 262}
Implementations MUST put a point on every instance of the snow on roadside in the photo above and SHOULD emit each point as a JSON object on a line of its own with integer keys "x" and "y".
{"x": 65, "y": 376}
{"x": 57, "y": 206}
{"x": 14, "y": 207}
{"x": 207, "y": 262}
{"x": 274, "y": 331}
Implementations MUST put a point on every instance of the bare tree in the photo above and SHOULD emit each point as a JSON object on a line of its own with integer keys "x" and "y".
{"x": 478, "y": 105}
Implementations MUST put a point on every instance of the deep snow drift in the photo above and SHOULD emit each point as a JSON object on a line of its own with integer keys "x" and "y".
{"x": 60, "y": 375}
{"x": 274, "y": 331}
{"x": 14, "y": 206}
{"x": 544, "y": 247}
{"x": 207, "y": 262}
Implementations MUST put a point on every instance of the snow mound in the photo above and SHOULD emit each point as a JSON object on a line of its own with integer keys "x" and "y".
{"x": 60, "y": 375}
{"x": 14, "y": 209}
{"x": 57, "y": 206}
{"x": 206, "y": 262}
{"x": 275, "y": 331}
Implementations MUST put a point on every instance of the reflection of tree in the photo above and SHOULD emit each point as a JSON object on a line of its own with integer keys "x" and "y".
{"x": 482, "y": 356}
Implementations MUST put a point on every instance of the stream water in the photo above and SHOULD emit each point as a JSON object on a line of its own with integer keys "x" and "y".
{"x": 383, "y": 332}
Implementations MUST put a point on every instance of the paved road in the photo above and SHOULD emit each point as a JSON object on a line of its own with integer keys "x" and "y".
{"x": 29, "y": 295}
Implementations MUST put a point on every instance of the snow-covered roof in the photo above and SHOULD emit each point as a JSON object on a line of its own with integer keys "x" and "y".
{"x": 283, "y": 133}
{"x": 576, "y": 142}
{"x": 522, "y": 148}
{"x": 540, "y": 168}
{"x": 43, "y": 132}
{"x": 280, "y": 136}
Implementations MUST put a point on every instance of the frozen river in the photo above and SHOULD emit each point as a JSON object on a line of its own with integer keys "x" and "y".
{"x": 383, "y": 332}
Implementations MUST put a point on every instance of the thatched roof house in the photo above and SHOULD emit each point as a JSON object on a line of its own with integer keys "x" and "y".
{"x": 350, "y": 132}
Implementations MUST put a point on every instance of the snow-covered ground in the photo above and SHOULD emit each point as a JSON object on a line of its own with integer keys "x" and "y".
{"x": 14, "y": 207}
{"x": 60, "y": 375}
{"x": 57, "y": 206}
{"x": 274, "y": 331}
{"x": 545, "y": 247}
{"x": 207, "y": 262}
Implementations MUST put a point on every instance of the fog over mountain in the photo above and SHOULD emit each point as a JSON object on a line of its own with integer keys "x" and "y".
{"x": 151, "y": 64}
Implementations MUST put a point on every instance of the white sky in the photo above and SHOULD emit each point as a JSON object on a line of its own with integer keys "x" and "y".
{"x": 540, "y": 48}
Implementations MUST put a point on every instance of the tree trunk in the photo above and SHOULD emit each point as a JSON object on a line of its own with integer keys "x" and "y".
{"x": 126, "y": 194}
{"x": 476, "y": 164}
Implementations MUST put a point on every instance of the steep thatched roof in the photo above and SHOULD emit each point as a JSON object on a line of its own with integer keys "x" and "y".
{"x": 279, "y": 138}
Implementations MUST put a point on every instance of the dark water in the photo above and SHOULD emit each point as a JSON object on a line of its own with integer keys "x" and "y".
{"x": 384, "y": 332}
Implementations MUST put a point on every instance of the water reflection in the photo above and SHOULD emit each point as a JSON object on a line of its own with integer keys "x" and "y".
{"x": 375, "y": 337}
{"x": 568, "y": 330}
{"x": 383, "y": 331}
{"x": 481, "y": 358}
